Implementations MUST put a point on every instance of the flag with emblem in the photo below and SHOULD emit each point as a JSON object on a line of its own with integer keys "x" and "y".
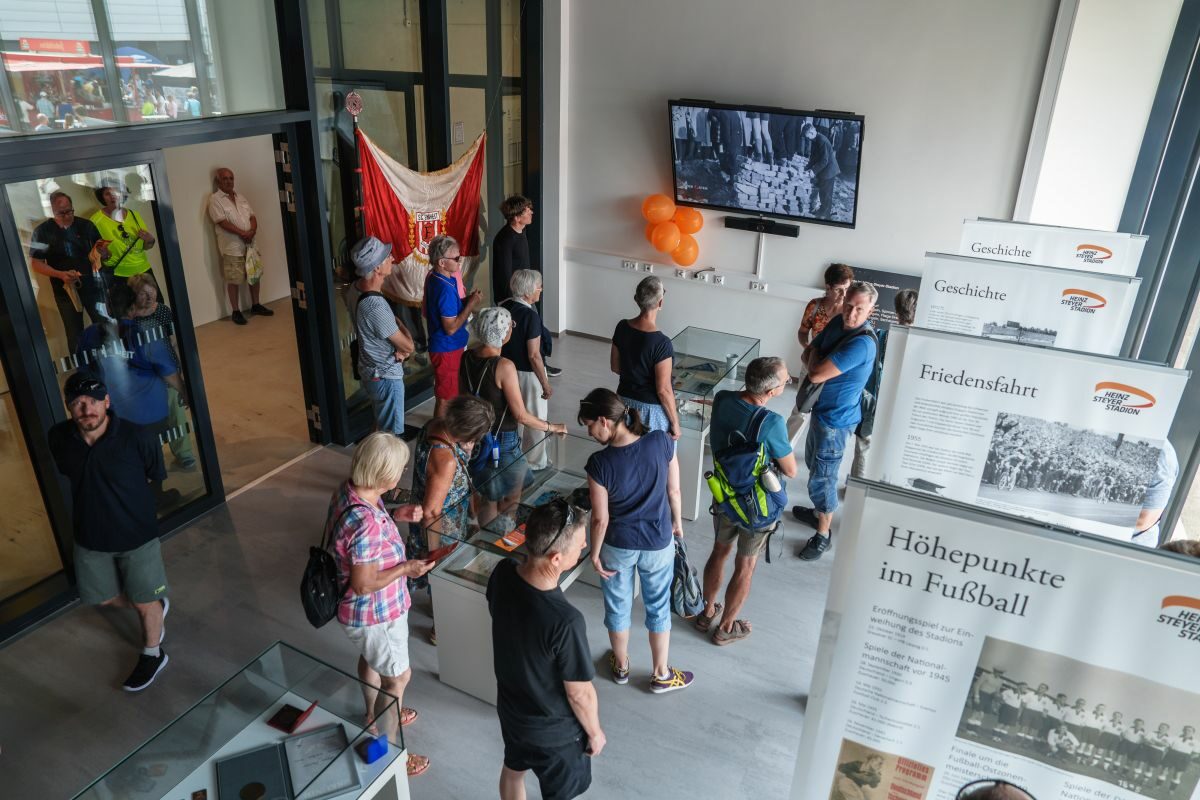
{"x": 408, "y": 209}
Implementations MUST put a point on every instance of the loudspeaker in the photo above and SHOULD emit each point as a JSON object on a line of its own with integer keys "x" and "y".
{"x": 763, "y": 225}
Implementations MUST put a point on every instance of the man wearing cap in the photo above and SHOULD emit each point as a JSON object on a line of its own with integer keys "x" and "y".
{"x": 112, "y": 466}
{"x": 383, "y": 343}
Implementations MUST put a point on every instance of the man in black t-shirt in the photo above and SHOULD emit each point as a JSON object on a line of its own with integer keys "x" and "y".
{"x": 510, "y": 252}
{"x": 112, "y": 466}
{"x": 549, "y": 714}
{"x": 59, "y": 249}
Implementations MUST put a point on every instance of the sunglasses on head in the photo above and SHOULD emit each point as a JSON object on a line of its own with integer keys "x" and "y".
{"x": 572, "y": 514}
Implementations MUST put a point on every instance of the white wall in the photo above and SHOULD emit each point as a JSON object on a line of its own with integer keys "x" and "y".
{"x": 948, "y": 90}
{"x": 189, "y": 172}
{"x": 1097, "y": 114}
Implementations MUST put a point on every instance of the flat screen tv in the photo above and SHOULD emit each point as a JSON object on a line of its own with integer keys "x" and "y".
{"x": 800, "y": 165}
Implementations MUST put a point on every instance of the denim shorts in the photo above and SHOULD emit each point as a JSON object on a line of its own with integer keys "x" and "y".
{"x": 823, "y": 449}
{"x": 655, "y": 568}
{"x": 387, "y": 402}
{"x": 652, "y": 414}
{"x": 496, "y": 483}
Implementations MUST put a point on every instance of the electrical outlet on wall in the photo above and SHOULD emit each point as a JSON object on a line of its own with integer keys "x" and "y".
{"x": 681, "y": 273}
{"x": 718, "y": 280}
{"x": 758, "y": 286}
{"x": 627, "y": 264}
{"x": 646, "y": 266}
{"x": 702, "y": 277}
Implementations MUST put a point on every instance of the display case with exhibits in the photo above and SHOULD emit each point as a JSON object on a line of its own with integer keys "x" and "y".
{"x": 286, "y": 725}
{"x": 707, "y": 362}
{"x": 500, "y": 529}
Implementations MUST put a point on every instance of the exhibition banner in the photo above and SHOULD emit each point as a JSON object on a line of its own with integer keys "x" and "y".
{"x": 1067, "y": 438}
{"x": 888, "y": 284}
{"x": 1051, "y": 246}
{"x": 1027, "y": 304}
{"x": 959, "y": 645}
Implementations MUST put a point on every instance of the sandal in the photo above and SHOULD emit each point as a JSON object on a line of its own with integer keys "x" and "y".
{"x": 704, "y": 623}
{"x": 417, "y": 765}
{"x": 739, "y": 630}
{"x": 408, "y": 716}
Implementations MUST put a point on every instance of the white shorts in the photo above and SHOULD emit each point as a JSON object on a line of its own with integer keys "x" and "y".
{"x": 384, "y": 646}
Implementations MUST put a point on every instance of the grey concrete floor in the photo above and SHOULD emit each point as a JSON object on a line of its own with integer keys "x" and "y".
{"x": 234, "y": 576}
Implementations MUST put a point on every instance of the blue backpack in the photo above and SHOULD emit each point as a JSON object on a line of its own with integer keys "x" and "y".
{"x": 737, "y": 491}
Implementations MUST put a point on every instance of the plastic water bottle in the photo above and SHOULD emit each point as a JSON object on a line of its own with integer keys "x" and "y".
{"x": 770, "y": 479}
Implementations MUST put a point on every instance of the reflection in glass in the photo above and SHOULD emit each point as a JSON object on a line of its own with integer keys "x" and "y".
{"x": 27, "y": 550}
{"x": 381, "y": 34}
{"x": 466, "y": 36}
{"x": 184, "y": 60}
{"x": 101, "y": 296}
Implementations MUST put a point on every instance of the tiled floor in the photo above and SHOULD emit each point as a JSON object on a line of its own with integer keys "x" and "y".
{"x": 234, "y": 575}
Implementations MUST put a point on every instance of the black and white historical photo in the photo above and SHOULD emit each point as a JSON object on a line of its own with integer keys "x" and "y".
{"x": 1089, "y": 720}
{"x": 1052, "y": 466}
{"x": 1013, "y": 331}
{"x": 769, "y": 162}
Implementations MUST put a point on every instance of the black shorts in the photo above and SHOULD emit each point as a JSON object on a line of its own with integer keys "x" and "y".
{"x": 563, "y": 771}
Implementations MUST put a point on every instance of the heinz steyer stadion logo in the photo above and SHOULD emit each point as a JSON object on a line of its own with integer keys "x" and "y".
{"x": 1184, "y": 616}
{"x": 1082, "y": 300}
{"x": 1121, "y": 398}
{"x": 1092, "y": 253}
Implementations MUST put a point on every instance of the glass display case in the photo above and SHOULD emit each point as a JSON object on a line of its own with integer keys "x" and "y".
{"x": 499, "y": 535}
{"x": 707, "y": 362}
{"x": 237, "y": 742}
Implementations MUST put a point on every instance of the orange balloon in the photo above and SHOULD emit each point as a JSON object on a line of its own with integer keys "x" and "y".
{"x": 689, "y": 220}
{"x": 665, "y": 237}
{"x": 658, "y": 208}
{"x": 687, "y": 252}
{"x": 650, "y": 226}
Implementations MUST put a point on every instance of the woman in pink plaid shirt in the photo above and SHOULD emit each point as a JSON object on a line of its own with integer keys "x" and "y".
{"x": 371, "y": 560}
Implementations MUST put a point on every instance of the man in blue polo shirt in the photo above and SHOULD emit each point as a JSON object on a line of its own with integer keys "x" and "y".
{"x": 112, "y": 465}
{"x": 842, "y": 357}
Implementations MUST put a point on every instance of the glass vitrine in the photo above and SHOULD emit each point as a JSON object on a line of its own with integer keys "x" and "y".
{"x": 228, "y": 738}
{"x": 707, "y": 362}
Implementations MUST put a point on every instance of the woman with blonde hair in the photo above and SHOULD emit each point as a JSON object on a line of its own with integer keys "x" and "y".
{"x": 373, "y": 565}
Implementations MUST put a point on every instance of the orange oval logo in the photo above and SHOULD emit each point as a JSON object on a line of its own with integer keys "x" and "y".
{"x": 1093, "y": 251}
{"x": 1131, "y": 390}
{"x": 1100, "y": 301}
{"x": 1181, "y": 600}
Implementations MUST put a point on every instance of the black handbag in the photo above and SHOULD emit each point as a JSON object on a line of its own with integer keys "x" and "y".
{"x": 320, "y": 591}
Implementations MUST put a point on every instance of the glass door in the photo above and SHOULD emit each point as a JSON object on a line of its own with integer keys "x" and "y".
{"x": 93, "y": 260}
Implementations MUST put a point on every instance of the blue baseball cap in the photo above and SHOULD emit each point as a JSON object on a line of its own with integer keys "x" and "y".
{"x": 368, "y": 254}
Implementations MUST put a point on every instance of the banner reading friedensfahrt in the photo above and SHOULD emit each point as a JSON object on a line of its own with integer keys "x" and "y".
{"x": 1051, "y": 246}
{"x": 1068, "y": 438}
{"x": 960, "y": 645}
{"x": 1067, "y": 309}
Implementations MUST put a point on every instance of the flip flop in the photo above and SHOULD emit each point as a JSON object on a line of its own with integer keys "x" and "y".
{"x": 416, "y": 765}
{"x": 703, "y": 623}
{"x": 408, "y": 716}
{"x": 739, "y": 630}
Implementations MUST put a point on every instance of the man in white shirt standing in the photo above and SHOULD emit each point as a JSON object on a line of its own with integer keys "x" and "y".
{"x": 235, "y": 226}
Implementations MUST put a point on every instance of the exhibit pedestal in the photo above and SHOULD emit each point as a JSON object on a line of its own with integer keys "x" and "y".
{"x": 690, "y": 451}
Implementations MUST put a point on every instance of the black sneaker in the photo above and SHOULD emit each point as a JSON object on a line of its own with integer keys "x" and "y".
{"x": 261, "y": 310}
{"x": 805, "y": 516}
{"x": 553, "y": 372}
{"x": 816, "y": 547}
{"x": 237, "y": 318}
{"x": 145, "y": 672}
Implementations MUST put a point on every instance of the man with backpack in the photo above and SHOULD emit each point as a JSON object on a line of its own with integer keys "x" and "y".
{"x": 747, "y": 440}
{"x": 383, "y": 343}
{"x": 840, "y": 360}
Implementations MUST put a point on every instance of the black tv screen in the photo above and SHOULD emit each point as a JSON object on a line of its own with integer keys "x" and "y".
{"x": 800, "y": 165}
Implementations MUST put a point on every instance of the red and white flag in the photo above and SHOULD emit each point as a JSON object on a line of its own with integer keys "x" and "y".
{"x": 407, "y": 209}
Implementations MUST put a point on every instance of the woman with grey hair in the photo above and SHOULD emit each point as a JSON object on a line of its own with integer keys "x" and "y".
{"x": 524, "y": 349}
{"x": 487, "y": 374}
{"x": 643, "y": 357}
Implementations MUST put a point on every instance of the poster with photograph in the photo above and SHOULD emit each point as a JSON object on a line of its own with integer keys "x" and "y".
{"x": 864, "y": 773}
{"x": 1062, "y": 437}
{"x": 981, "y": 646}
{"x": 1104, "y": 252}
{"x": 888, "y": 284}
{"x": 1026, "y": 304}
